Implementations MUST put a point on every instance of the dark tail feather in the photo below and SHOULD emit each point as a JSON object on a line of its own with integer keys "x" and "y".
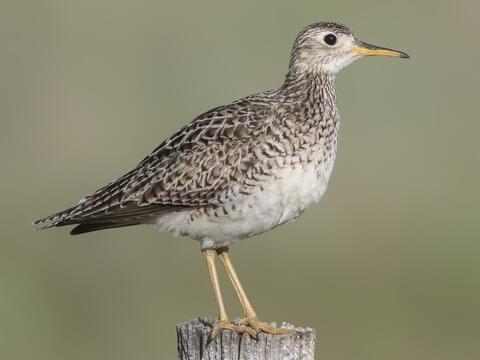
{"x": 89, "y": 227}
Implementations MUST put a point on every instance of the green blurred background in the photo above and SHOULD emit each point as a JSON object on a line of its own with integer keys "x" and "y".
{"x": 385, "y": 267}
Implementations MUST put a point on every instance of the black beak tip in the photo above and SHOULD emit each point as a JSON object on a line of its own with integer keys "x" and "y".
{"x": 404, "y": 55}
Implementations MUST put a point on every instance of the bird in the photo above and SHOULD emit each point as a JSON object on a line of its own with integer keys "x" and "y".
{"x": 239, "y": 169}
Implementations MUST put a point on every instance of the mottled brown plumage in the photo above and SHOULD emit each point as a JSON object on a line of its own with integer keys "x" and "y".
{"x": 238, "y": 169}
{"x": 229, "y": 151}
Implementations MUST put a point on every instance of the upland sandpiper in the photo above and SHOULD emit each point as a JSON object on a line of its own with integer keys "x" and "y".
{"x": 239, "y": 169}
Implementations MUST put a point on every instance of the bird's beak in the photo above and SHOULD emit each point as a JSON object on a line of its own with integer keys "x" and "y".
{"x": 365, "y": 49}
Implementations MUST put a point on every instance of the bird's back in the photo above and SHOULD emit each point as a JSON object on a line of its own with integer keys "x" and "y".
{"x": 196, "y": 167}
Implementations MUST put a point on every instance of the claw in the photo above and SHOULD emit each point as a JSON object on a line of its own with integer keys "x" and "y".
{"x": 259, "y": 326}
{"x": 246, "y": 329}
{"x": 251, "y": 326}
{"x": 222, "y": 325}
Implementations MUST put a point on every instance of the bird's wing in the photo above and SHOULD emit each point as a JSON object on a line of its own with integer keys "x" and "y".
{"x": 199, "y": 165}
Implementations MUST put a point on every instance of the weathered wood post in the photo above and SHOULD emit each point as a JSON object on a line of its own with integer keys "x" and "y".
{"x": 194, "y": 343}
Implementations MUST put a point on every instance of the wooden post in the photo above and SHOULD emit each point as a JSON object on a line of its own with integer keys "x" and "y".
{"x": 194, "y": 343}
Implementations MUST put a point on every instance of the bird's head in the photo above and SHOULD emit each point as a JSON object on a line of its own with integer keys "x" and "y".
{"x": 329, "y": 47}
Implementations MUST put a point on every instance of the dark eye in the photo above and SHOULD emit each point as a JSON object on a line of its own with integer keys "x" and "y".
{"x": 330, "y": 39}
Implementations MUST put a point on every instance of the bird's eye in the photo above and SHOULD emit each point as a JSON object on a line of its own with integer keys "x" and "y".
{"x": 330, "y": 39}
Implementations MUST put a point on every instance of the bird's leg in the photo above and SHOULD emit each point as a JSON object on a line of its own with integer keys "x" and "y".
{"x": 250, "y": 319}
{"x": 223, "y": 323}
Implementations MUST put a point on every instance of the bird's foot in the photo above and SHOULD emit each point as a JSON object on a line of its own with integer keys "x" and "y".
{"x": 222, "y": 325}
{"x": 251, "y": 326}
{"x": 255, "y": 326}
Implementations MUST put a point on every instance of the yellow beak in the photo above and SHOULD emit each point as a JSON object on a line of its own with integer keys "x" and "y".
{"x": 365, "y": 49}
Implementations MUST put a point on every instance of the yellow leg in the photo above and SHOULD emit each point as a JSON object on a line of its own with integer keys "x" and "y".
{"x": 212, "y": 271}
{"x": 224, "y": 322}
{"x": 250, "y": 319}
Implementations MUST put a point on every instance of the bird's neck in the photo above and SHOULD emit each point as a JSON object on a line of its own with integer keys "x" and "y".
{"x": 317, "y": 88}
{"x": 312, "y": 98}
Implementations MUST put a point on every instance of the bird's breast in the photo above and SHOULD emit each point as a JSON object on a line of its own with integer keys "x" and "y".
{"x": 281, "y": 198}
{"x": 299, "y": 187}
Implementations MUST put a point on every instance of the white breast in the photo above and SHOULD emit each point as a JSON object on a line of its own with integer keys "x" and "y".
{"x": 282, "y": 199}
{"x": 301, "y": 187}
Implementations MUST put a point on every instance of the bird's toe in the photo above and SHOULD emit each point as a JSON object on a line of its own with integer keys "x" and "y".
{"x": 260, "y": 326}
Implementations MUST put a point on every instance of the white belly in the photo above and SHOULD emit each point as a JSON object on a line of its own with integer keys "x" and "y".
{"x": 283, "y": 199}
